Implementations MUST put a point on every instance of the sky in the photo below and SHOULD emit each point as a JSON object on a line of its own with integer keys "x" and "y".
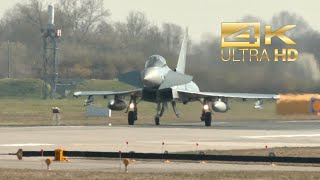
{"x": 204, "y": 16}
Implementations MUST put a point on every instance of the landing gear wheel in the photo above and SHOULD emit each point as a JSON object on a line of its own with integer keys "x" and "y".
{"x": 131, "y": 117}
{"x": 157, "y": 120}
{"x": 207, "y": 118}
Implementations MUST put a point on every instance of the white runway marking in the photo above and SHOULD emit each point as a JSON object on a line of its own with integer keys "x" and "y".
{"x": 26, "y": 144}
{"x": 301, "y": 121}
{"x": 196, "y": 123}
{"x": 281, "y": 136}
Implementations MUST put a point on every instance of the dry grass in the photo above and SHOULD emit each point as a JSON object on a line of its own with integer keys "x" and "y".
{"x": 279, "y": 151}
{"x": 38, "y": 112}
{"x": 79, "y": 175}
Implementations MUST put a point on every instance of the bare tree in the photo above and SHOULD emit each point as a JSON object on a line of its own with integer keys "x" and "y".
{"x": 33, "y": 13}
{"x": 137, "y": 24}
{"x": 153, "y": 40}
{"x": 82, "y": 15}
{"x": 172, "y": 35}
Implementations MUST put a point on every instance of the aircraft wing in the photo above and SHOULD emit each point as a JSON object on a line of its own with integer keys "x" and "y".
{"x": 195, "y": 95}
{"x": 136, "y": 92}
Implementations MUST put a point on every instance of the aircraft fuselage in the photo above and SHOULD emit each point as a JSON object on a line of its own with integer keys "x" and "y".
{"x": 153, "y": 76}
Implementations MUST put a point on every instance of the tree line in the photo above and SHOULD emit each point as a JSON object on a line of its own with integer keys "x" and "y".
{"x": 94, "y": 47}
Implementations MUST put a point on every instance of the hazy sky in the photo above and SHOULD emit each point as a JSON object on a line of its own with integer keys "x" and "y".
{"x": 202, "y": 16}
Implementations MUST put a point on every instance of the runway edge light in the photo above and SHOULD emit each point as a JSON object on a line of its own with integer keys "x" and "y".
{"x": 48, "y": 162}
{"x": 126, "y": 162}
{"x": 20, "y": 154}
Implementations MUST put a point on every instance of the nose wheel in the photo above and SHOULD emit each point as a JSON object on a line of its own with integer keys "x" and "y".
{"x": 157, "y": 120}
{"x": 160, "y": 110}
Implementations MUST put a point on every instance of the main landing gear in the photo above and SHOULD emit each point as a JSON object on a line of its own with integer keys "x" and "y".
{"x": 132, "y": 116}
{"x": 132, "y": 111}
{"x": 206, "y": 114}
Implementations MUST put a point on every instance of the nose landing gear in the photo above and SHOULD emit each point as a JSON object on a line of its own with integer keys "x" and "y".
{"x": 160, "y": 110}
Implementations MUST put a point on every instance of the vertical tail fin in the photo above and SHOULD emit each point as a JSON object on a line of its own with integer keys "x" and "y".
{"x": 183, "y": 52}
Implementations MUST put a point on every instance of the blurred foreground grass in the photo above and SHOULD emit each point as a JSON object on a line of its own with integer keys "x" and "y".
{"x": 22, "y": 174}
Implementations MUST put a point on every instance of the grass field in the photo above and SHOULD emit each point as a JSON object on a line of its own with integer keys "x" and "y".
{"x": 21, "y": 104}
{"x": 79, "y": 175}
{"x": 20, "y": 111}
{"x": 16, "y": 111}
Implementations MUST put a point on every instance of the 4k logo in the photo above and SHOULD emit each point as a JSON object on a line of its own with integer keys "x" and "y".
{"x": 248, "y": 35}
{"x": 242, "y": 42}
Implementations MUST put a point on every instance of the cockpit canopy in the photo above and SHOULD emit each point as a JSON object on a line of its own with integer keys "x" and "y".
{"x": 155, "y": 61}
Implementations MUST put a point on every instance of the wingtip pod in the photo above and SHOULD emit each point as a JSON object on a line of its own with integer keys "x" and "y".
{"x": 276, "y": 97}
{"x": 183, "y": 53}
{"x": 76, "y": 94}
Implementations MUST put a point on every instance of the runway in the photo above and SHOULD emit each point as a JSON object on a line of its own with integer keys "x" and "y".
{"x": 179, "y": 137}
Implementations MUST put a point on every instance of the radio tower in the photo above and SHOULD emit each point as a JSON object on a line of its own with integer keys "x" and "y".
{"x": 50, "y": 61}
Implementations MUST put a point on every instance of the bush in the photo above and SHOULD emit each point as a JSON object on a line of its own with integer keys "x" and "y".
{"x": 21, "y": 88}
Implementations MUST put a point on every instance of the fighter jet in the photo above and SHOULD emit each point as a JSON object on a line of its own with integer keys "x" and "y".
{"x": 161, "y": 85}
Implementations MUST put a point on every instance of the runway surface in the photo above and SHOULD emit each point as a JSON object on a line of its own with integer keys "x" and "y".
{"x": 177, "y": 137}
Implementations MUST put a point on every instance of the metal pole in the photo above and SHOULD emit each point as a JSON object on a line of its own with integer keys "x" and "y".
{"x": 50, "y": 55}
{"x": 8, "y": 45}
{"x": 45, "y": 70}
{"x": 55, "y": 71}
{"x": 119, "y": 161}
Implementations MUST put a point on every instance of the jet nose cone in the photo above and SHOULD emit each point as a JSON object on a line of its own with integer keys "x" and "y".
{"x": 152, "y": 78}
